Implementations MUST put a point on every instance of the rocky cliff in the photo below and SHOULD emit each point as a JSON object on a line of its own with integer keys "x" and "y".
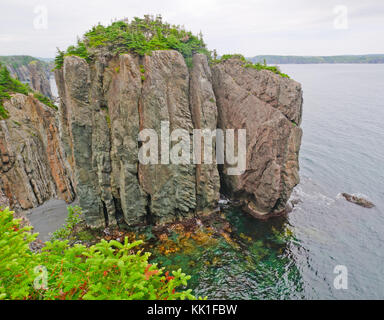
{"x": 32, "y": 71}
{"x": 32, "y": 165}
{"x": 269, "y": 107}
{"x": 106, "y": 103}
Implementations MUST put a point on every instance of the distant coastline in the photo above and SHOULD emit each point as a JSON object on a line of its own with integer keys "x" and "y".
{"x": 274, "y": 59}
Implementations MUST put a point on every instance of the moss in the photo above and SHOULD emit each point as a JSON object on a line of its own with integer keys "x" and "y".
{"x": 108, "y": 119}
{"x": 143, "y": 78}
{"x": 117, "y": 69}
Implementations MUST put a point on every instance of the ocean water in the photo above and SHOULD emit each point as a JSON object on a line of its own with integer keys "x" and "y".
{"x": 295, "y": 257}
{"x": 342, "y": 151}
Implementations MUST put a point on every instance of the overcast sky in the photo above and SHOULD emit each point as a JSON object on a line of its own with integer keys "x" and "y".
{"x": 250, "y": 27}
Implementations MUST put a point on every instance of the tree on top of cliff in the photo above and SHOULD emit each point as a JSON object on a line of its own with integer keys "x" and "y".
{"x": 9, "y": 85}
{"x": 141, "y": 36}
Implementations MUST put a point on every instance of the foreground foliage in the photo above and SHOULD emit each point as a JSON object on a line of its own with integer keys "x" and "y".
{"x": 107, "y": 270}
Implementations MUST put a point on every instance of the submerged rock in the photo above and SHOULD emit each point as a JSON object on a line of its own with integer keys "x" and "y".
{"x": 358, "y": 200}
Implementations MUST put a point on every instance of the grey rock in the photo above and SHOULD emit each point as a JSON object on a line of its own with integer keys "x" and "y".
{"x": 269, "y": 107}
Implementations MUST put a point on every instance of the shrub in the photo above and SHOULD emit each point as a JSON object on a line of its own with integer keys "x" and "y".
{"x": 259, "y": 66}
{"x": 9, "y": 85}
{"x": 73, "y": 219}
{"x": 249, "y": 64}
{"x": 141, "y": 36}
{"x": 107, "y": 270}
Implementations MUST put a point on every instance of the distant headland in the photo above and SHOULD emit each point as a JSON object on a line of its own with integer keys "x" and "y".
{"x": 273, "y": 59}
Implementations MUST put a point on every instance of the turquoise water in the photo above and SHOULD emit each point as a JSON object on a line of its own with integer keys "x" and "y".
{"x": 294, "y": 258}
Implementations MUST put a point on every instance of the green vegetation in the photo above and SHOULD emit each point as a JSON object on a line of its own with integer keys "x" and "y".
{"x": 226, "y": 57}
{"x": 249, "y": 64}
{"x": 141, "y": 36}
{"x": 106, "y": 270}
{"x": 73, "y": 219}
{"x": 16, "y": 61}
{"x": 259, "y": 66}
{"x": 9, "y": 85}
{"x": 42, "y": 98}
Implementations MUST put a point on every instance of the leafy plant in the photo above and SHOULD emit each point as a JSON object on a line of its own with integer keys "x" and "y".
{"x": 73, "y": 219}
{"x": 107, "y": 270}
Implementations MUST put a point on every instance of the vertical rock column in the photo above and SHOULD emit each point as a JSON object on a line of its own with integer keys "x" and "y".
{"x": 204, "y": 116}
{"x": 77, "y": 116}
{"x": 123, "y": 85}
{"x": 171, "y": 188}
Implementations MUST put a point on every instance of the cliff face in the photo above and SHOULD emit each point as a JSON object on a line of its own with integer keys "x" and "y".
{"x": 32, "y": 165}
{"x": 32, "y": 71}
{"x": 269, "y": 107}
{"x": 104, "y": 106}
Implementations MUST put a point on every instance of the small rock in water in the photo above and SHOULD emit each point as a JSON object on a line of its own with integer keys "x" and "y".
{"x": 358, "y": 200}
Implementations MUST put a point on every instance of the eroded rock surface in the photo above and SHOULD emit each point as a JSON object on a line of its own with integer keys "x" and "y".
{"x": 104, "y": 107}
{"x": 32, "y": 166}
{"x": 269, "y": 107}
{"x": 105, "y": 104}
